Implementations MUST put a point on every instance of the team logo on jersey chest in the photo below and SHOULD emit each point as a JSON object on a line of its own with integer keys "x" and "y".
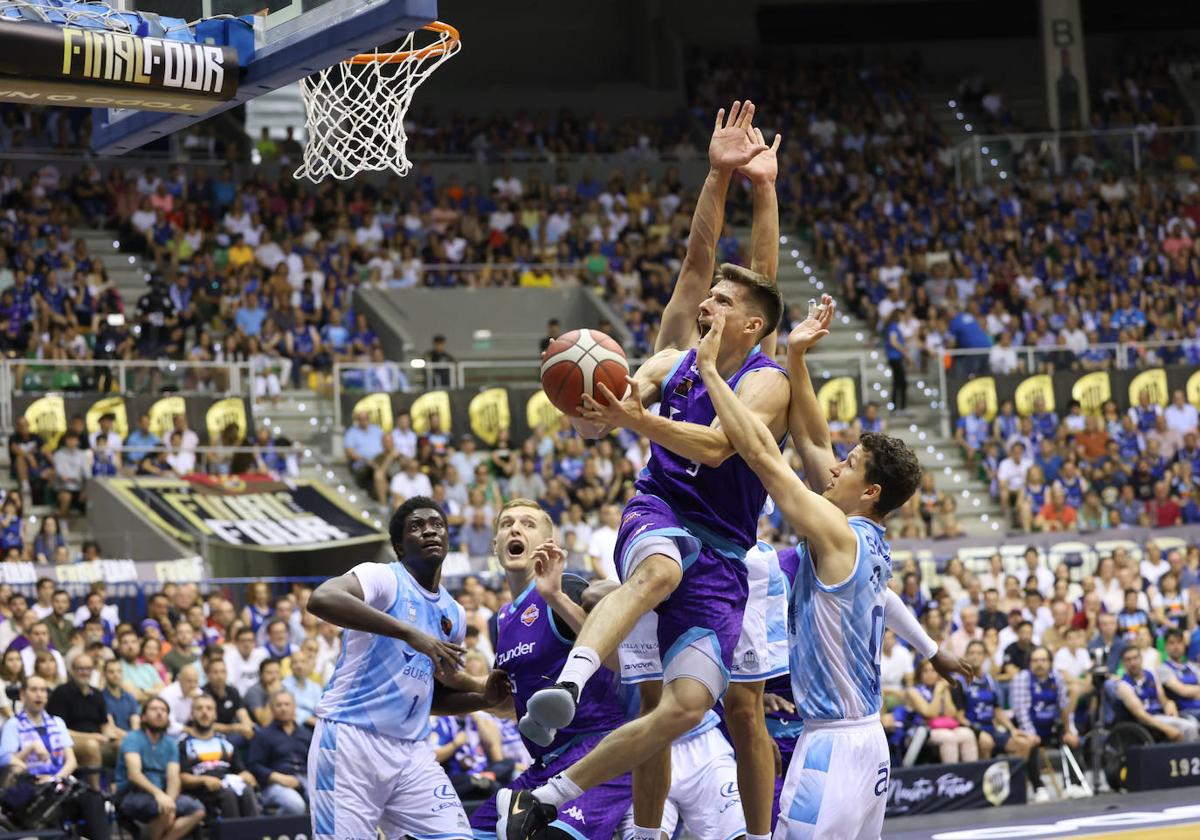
{"x": 530, "y": 615}
{"x": 684, "y": 387}
{"x": 447, "y": 625}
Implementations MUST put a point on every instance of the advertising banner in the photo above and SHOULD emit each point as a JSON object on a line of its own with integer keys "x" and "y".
{"x": 245, "y": 511}
{"x": 1091, "y": 388}
{"x": 928, "y": 788}
{"x": 1159, "y": 766}
{"x": 207, "y": 416}
{"x": 47, "y": 64}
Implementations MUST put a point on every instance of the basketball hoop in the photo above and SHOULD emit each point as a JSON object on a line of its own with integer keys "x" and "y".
{"x": 354, "y": 110}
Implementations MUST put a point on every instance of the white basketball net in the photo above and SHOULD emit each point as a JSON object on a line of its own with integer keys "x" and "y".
{"x": 354, "y": 110}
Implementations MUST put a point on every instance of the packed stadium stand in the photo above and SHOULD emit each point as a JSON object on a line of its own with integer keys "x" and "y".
{"x": 192, "y": 325}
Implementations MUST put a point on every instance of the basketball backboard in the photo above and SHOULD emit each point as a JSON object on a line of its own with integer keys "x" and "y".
{"x": 294, "y": 39}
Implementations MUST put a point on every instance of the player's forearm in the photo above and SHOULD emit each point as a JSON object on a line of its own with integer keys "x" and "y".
{"x": 748, "y": 435}
{"x": 900, "y": 620}
{"x": 806, "y": 421}
{"x": 702, "y": 444}
{"x": 764, "y": 230}
{"x": 337, "y": 606}
{"x": 707, "y": 222}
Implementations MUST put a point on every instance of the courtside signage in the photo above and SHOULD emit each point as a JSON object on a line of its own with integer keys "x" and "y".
{"x": 41, "y": 63}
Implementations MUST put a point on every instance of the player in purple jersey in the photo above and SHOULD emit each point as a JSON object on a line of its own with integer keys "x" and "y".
{"x": 683, "y": 538}
{"x": 533, "y": 638}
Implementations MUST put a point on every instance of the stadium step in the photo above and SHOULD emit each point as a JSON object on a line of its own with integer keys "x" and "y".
{"x": 127, "y": 272}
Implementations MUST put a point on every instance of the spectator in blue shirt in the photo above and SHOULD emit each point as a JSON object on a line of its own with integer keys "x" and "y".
{"x": 969, "y": 334}
{"x": 278, "y": 757}
{"x": 1045, "y": 422}
{"x": 363, "y": 443}
{"x": 893, "y": 339}
{"x": 304, "y": 689}
{"x": 249, "y": 318}
{"x": 121, "y": 705}
{"x": 139, "y": 440}
{"x": 148, "y": 786}
{"x": 972, "y": 432}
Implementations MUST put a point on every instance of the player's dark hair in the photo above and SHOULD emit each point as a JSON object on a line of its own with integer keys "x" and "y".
{"x": 396, "y": 525}
{"x": 894, "y": 467}
{"x": 763, "y": 293}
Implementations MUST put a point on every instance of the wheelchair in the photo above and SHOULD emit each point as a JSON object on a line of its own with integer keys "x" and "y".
{"x": 1109, "y": 742}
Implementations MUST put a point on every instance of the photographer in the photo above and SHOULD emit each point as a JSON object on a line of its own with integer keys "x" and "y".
{"x": 38, "y": 750}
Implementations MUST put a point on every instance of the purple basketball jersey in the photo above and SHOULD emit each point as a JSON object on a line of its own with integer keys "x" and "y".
{"x": 722, "y": 503}
{"x": 530, "y": 647}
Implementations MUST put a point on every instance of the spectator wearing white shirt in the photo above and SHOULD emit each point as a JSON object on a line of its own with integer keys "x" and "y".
{"x": 404, "y": 437}
{"x": 1182, "y": 416}
{"x": 1010, "y": 477}
{"x": 895, "y": 669}
{"x": 1042, "y": 577}
{"x": 107, "y": 431}
{"x": 466, "y": 458}
{"x": 1002, "y": 357}
{"x": 242, "y": 659}
{"x": 508, "y": 185}
{"x": 268, "y": 253}
{"x": 179, "y": 696}
{"x": 1073, "y": 661}
{"x": 409, "y": 482}
{"x": 603, "y": 542}
{"x": 39, "y": 642}
{"x": 385, "y": 376}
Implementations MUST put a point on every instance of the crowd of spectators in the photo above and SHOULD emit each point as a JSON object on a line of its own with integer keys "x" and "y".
{"x": 1058, "y": 630}
{"x": 1080, "y": 473}
{"x": 190, "y": 708}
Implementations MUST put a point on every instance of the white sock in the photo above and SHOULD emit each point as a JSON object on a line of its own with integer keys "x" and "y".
{"x": 557, "y": 791}
{"x": 640, "y": 833}
{"x": 581, "y": 665}
{"x": 758, "y": 836}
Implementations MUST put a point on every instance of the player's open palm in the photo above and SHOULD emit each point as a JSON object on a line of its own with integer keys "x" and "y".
{"x": 947, "y": 665}
{"x": 813, "y": 328}
{"x": 447, "y": 657}
{"x": 734, "y": 143}
{"x": 549, "y": 563}
{"x": 763, "y": 167}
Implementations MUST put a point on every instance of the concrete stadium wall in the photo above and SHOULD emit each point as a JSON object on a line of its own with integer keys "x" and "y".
{"x": 407, "y": 319}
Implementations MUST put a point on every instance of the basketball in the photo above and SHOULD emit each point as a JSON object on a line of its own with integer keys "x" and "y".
{"x": 576, "y": 362}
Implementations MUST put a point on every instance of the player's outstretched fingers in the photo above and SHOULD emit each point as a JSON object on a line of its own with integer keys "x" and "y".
{"x": 734, "y": 110}
{"x": 746, "y": 117}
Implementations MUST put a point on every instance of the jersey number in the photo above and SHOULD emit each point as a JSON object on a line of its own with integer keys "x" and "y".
{"x": 876, "y": 644}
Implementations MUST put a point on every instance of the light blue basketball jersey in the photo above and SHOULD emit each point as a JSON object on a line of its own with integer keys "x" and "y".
{"x": 777, "y": 609}
{"x": 382, "y": 684}
{"x": 836, "y": 632}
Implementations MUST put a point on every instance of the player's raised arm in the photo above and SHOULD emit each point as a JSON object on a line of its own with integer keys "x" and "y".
{"x": 806, "y": 422}
{"x": 762, "y": 172}
{"x": 733, "y": 144}
{"x": 809, "y": 514}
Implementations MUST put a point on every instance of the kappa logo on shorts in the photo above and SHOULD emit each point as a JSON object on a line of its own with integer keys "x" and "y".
{"x": 574, "y": 813}
{"x": 530, "y": 615}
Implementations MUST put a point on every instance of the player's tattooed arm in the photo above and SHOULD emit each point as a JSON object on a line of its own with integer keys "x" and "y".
{"x": 806, "y": 421}
{"x": 809, "y": 514}
{"x": 341, "y": 601}
{"x": 549, "y": 563}
{"x": 733, "y": 144}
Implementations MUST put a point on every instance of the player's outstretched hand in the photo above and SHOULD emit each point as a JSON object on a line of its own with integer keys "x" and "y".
{"x": 947, "y": 665}
{"x": 710, "y": 344}
{"x": 549, "y": 561}
{"x": 813, "y": 328}
{"x": 624, "y": 413}
{"x": 447, "y": 657}
{"x": 763, "y": 168}
{"x": 498, "y": 689}
{"x": 733, "y": 142}
{"x": 774, "y": 703}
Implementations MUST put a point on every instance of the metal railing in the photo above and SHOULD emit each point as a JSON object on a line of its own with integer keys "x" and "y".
{"x": 1127, "y": 150}
{"x": 129, "y": 375}
{"x": 526, "y": 370}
